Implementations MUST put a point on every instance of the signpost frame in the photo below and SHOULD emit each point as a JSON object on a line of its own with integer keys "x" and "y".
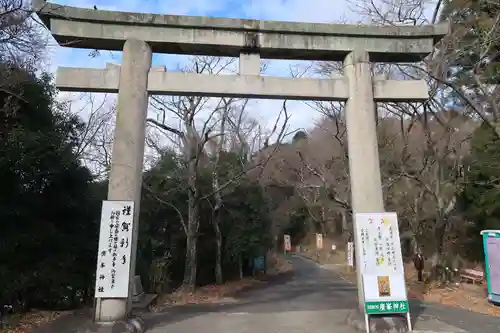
{"x": 381, "y": 266}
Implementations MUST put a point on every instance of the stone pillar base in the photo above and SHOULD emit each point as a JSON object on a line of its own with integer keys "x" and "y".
{"x": 131, "y": 325}
{"x": 378, "y": 324}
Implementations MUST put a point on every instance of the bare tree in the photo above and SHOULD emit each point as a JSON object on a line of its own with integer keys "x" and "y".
{"x": 98, "y": 113}
{"x": 328, "y": 164}
{"x": 193, "y": 151}
{"x": 217, "y": 129}
{"x": 473, "y": 55}
{"x": 21, "y": 36}
{"x": 21, "y": 45}
{"x": 216, "y": 212}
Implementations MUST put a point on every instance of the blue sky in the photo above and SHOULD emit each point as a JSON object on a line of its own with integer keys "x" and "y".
{"x": 286, "y": 10}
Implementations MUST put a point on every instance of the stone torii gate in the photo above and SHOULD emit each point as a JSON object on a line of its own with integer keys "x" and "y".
{"x": 139, "y": 35}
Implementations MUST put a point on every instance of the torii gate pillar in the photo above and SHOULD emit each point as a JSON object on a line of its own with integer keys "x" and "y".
{"x": 364, "y": 165}
{"x": 125, "y": 178}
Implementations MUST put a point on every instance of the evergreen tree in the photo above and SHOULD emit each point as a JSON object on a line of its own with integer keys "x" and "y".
{"x": 48, "y": 207}
{"x": 473, "y": 57}
{"x": 480, "y": 199}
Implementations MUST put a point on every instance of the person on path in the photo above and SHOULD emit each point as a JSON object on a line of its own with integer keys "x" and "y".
{"x": 418, "y": 261}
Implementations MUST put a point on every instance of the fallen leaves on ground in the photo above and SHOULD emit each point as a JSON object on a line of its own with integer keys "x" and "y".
{"x": 474, "y": 300}
{"x": 466, "y": 296}
{"x": 23, "y": 323}
{"x": 203, "y": 295}
{"x": 470, "y": 297}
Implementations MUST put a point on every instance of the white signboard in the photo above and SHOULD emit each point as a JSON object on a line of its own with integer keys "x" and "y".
{"x": 287, "y": 243}
{"x": 114, "y": 252}
{"x": 381, "y": 263}
{"x": 319, "y": 241}
{"x": 350, "y": 254}
{"x": 380, "y": 247}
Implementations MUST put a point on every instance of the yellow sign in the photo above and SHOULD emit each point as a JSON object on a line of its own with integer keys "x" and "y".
{"x": 384, "y": 286}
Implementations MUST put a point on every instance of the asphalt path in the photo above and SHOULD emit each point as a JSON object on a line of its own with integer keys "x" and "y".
{"x": 312, "y": 299}
{"x": 309, "y": 300}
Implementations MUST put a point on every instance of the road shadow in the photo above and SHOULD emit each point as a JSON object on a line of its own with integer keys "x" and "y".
{"x": 416, "y": 310}
{"x": 466, "y": 320}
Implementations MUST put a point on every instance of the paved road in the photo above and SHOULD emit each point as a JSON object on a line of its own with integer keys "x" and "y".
{"x": 313, "y": 299}
{"x": 308, "y": 301}
{"x": 463, "y": 320}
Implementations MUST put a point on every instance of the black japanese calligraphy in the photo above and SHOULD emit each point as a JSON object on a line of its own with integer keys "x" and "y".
{"x": 113, "y": 278}
{"x": 114, "y": 249}
{"x": 125, "y": 226}
{"x": 126, "y": 210}
{"x": 364, "y": 245}
{"x": 124, "y": 242}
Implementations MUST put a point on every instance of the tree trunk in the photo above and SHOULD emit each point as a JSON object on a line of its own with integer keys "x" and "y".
{"x": 218, "y": 242}
{"x": 217, "y": 213}
{"x": 439, "y": 260}
{"x": 193, "y": 225}
{"x": 216, "y": 220}
{"x": 345, "y": 229}
{"x": 415, "y": 247}
{"x": 241, "y": 267}
{"x": 344, "y": 221}
{"x": 191, "y": 262}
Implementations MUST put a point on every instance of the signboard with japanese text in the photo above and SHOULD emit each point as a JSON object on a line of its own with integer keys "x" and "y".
{"x": 114, "y": 252}
{"x": 386, "y": 307}
{"x": 287, "y": 243}
{"x": 319, "y": 241}
{"x": 350, "y": 254}
{"x": 381, "y": 263}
